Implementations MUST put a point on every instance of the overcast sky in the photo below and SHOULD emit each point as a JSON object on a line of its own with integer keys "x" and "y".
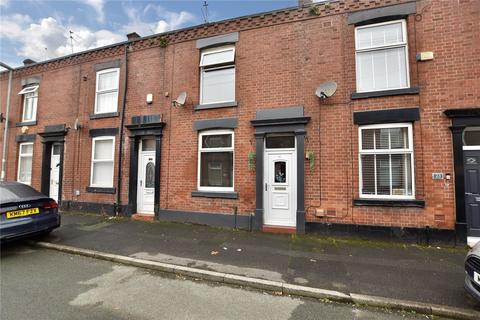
{"x": 40, "y": 30}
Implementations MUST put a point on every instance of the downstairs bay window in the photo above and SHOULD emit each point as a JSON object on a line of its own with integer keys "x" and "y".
{"x": 386, "y": 161}
{"x": 215, "y": 161}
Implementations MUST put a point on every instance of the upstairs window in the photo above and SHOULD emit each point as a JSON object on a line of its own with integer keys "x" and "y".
{"x": 106, "y": 98}
{"x": 25, "y": 156}
{"x": 103, "y": 150}
{"x": 217, "y": 80}
{"x": 386, "y": 161}
{"x": 30, "y": 98}
{"x": 215, "y": 161}
{"x": 382, "y": 56}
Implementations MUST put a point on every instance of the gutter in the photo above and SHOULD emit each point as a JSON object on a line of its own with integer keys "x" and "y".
{"x": 122, "y": 122}
{"x": 5, "y": 133}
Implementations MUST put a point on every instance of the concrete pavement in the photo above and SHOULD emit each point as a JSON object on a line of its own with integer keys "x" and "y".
{"x": 391, "y": 270}
{"x": 43, "y": 284}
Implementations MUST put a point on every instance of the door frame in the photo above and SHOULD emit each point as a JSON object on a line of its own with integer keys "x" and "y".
{"x": 143, "y": 127}
{"x": 280, "y": 120}
{"x": 140, "y": 161}
{"x": 461, "y": 119}
{"x": 293, "y": 191}
{"x": 54, "y": 134}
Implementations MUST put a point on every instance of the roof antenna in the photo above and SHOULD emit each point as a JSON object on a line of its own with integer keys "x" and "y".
{"x": 205, "y": 11}
{"x": 71, "y": 39}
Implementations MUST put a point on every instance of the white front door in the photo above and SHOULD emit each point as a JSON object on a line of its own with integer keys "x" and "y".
{"x": 55, "y": 171}
{"x": 280, "y": 189}
{"x": 146, "y": 182}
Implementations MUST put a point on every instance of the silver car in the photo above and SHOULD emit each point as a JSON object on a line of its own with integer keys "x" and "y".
{"x": 472, "y": 271}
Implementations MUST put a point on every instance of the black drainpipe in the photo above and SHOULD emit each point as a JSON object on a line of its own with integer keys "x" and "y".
{"x": 120, "y": 146}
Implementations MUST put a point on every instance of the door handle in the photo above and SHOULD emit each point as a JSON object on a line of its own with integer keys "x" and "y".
{"x": 266, "y": 187}
{"x": 140, "y": 183}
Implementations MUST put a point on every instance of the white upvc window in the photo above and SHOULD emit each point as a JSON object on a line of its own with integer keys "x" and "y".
{"x": 106, "y": 97}
{"x": 25, "y": 157}
{"x": 217, "y": 79}
{"x": 386, "y": 161}
{"x": 382, "y": 56}
{"x": 30, "y": 99}
{"x": 215, "y": 160}
{"x": 103, "y": 153}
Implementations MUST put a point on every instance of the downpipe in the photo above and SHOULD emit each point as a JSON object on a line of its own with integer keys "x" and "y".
{"x": 117, "y": 206}
{"x": 7, "y": 112}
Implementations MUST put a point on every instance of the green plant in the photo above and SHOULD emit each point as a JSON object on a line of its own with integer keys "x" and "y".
{"x": 311, "y": 159}
{"x": 316, "y": 10}
{"x": 252, "y": 159}
{"x": 163, "y": 42}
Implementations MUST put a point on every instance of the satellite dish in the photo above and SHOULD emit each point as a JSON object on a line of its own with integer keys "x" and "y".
{"x": 326, "y": 89}
{"x": 180, "y": 101}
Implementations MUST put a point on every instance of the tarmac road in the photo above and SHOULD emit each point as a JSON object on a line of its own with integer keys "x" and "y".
{"x": 43, "y": 284}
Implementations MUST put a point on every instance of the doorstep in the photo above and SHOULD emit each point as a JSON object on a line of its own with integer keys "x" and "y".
{"x": 279, "y": 229}
{"x": 143, "y": 217}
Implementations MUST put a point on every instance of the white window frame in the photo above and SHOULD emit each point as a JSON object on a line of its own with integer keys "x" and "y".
{"x": 30, "y": 92}
{"x": 409, "y": 150}
{"x": 204, "y": 150}
{"x": 97, "y": 92}
{"x": 404, "y": 43}
{"x": 20, "y": 156}
{"x": 213, "y": 67}
{"x": 112, "y": 160}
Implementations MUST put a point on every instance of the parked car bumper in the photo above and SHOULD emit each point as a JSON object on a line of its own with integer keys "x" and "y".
{"x": 472, "y": 288}
{"x": 38, "y": 225}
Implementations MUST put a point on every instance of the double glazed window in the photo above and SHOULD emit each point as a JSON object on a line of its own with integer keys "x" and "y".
{"x": 386, "y": 161}
{"x": 382, "y": 56}
{"x": 217, "y": 80}
{"x": 25, "y": 156}
{"x": 106, "y": 98}
{"x": 215, "y": 161}
{"x": 30, "y": 99}
{"x": 103, "y": 150}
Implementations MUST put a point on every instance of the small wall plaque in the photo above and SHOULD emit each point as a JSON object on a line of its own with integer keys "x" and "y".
{"x": 437, "y": 176}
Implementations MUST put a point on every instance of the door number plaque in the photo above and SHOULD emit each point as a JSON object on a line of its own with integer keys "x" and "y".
{"x": 437, "y": 176}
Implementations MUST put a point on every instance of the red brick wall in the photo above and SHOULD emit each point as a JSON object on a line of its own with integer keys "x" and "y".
{"x": 280, "y": 59}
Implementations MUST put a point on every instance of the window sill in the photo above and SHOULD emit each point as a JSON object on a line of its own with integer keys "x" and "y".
{"x": 215, "y": 105}
{"x": 100, "y": 190}
{"x": 26, "y": 123}
{"x": 389, "y": 203}
{"x": 385, "y": 93}
{"x": 104, "y": 115}
{"x": 213, "y": 194}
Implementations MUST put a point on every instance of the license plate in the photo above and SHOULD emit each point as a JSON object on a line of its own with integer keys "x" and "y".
{"x": 21, "y": 213}
{"x": 476, "y": 277}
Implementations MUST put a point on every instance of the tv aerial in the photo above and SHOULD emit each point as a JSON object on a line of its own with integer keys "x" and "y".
{"x": 326, "y": 89}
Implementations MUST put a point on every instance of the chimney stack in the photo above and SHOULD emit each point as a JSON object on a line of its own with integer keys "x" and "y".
{"x": 133, "y": 36}
{"x": 27, "y": 62}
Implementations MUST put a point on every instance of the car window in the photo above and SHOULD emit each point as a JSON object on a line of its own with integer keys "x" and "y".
{"x": 16, "y": 191}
